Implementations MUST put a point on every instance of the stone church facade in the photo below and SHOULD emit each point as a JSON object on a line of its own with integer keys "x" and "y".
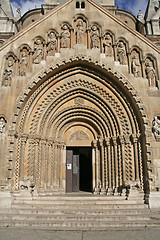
{"x": 79, "y": 100}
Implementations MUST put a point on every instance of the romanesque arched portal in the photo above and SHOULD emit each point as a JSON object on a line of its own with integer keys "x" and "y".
{"x": 74, "y": 105}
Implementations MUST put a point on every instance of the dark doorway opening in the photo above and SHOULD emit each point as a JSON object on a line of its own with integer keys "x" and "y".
{"x": 79, "y": 169}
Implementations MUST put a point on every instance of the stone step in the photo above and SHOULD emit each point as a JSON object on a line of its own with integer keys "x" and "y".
{"x": 76, "y": 197}
{"x": 53, "y": 206}
{"x": 83, "y": 225}
{"x": 73, "y": 217}
{"x": 78, "y": 211}
{"x": 71, "y": 212}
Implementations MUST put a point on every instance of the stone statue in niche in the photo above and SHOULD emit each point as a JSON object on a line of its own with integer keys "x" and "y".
{"x": 8, "y": 73}
{"x": 150, "y": 73}
{"x": 95, "y": 37}
{"x": 136, "y": 66}
{"x": 52, "y": 44}
{"x": 108, "y": 45}
{"x": 2, "y": 126}
{"x": 38, "y": 51}
{"x": 23, "y": 63}
{"x": 79, "y": 32}
{"x": 156, "y": 126}
{"x": 121, "y": 53}
{"x": 65, "y": 37}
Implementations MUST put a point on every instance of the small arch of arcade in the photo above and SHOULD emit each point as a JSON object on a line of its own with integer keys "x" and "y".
{"x": 80, "y": 104}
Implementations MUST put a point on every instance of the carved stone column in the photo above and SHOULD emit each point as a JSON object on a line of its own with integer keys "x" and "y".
{"x": 22, "y": 155}
{"x": 129, "y": 62}
{"x": 136, "y": 160}
{"x": 30, "y": 61}
{"x": 113, "y": 164}
{"x": 36, "y": 144}
{"x": 44, "y": 51}
{"x": 127, "y": 156}
{"x": 140, "y": 157}
{"x": 97, "y": 185}
{"x": 43, "y": 164}
{"x": 61, "y": 165}
{"x": 57, "y": 164}
{"x": 122, "y": 144}
{"x": 102, "y": 166}
{"x": 143, "y": 68}
{"x": 114, "y": 140}
{"x": 108, "y": 165}
{"x": 58, "y": 44}
{"x": 71, "y": 38}
{"x": 49, "y": 165}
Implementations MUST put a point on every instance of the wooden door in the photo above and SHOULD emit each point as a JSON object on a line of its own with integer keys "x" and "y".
{"x": 72, "y": 170}
{"x": 69, "y": 161}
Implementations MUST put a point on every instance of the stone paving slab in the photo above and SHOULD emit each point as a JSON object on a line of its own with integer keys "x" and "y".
{"x": 36, "y": 234}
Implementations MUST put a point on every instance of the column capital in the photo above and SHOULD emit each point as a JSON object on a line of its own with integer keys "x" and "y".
{"x": 126, "y": 139}
{"x": 94, "y": 143}
{"x": 107, "y": 141}
{"x": 24, "y": 138}
{"x": 114, "y": 140}
{"x": 100, "y": 141}
{"x": 121, "y": 139}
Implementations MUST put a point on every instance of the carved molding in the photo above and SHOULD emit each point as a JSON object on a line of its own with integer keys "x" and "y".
{"x": 120, "y": 78}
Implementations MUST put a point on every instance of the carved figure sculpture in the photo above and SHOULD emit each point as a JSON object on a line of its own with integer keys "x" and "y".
{"x": 151, "y": 74}
{"x": 136, "y": 66}
{"x": 95, "y": 37}
{"x": 52, "y": 44}
{"x": 79, "y": 33}
{"x": 108, "y": 45}
{"x": 121, "y": 53}
{"x": 38, "y": 51}
{"x": 65, "y": 37}
{"x": 2, "y": 126}
{"x": 23, "y": 64}
{"x": 8, "y": 73}
{"x": 156, "y": 127}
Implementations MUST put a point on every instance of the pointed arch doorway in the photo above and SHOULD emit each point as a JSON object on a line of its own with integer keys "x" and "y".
{"x": 81, "y": 105}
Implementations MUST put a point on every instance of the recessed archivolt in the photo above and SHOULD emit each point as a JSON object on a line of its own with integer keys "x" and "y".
{"x": 86, "y": 115}
{"x": 90, "y": 90}
{"x": 104, "y": 112}
{"x": 45, "y": 83}
{"x": 30, "y": 94}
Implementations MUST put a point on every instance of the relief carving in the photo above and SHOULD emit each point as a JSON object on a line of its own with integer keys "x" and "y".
{"x": 121, "y": 53}
{"x": 65, "y": 37}
{"x": 38, "y": 51}
{"x": 52, "y": 44}
{"x": 107, "y": 44}
{"x": 95, "y": 37}
{"x": 23, "y": 63}
{"x": 156, "y": 127}
{"x": 79, "y": 32}
{"x": 79, "y": 135}
{"x": 135, "y": 65}
{"x": 9, "y": 72}
{"x": 150, "y": 73}
{"x": 79, "y": 101}
{"x": 2, "y": 126}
